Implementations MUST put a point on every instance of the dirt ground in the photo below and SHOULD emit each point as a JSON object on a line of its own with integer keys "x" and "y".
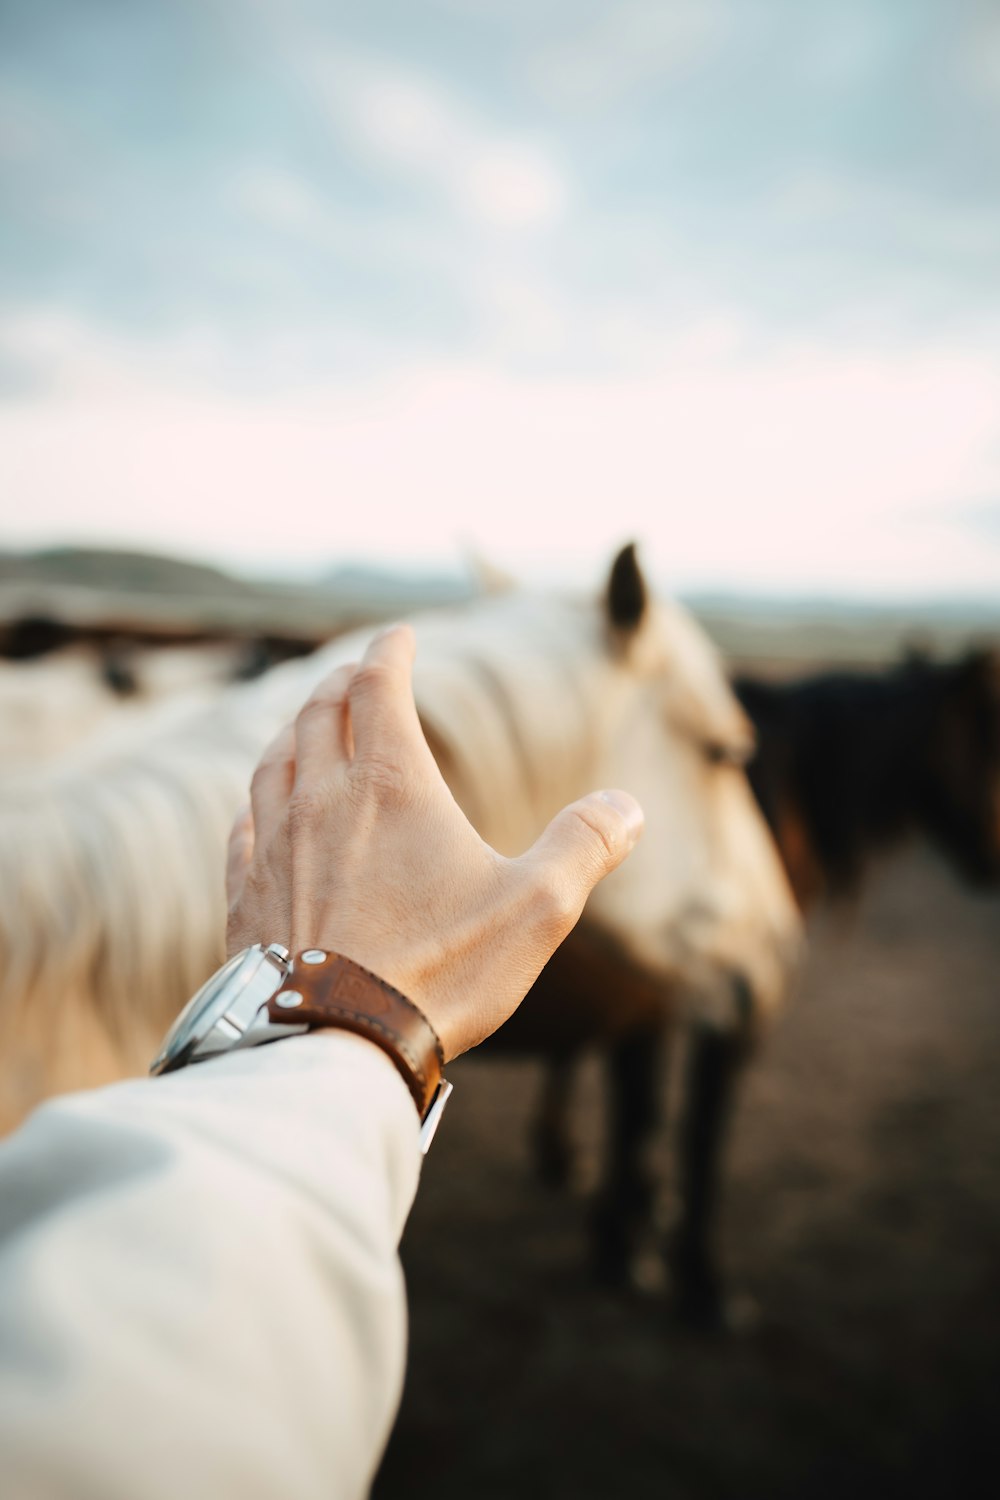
{"x": 862, "y": 1214}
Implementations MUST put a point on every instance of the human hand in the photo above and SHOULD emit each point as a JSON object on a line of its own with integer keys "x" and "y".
{"x": 353, "y": 843}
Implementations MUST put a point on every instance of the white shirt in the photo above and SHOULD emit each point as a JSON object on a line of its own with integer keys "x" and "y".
{"x": 200, "y": 1292}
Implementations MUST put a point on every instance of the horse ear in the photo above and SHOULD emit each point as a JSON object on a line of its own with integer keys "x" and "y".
{"x": 486, "y": 576}
{"x": 627, "y": 594}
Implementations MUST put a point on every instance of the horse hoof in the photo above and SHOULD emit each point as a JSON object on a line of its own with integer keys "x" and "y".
{"x": 646, "y": 1274}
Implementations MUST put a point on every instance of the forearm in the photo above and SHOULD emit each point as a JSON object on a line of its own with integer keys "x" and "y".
{"x": 199, "y": 1285}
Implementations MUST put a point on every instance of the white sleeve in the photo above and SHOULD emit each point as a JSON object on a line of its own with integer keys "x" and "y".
{"x": 200, "y": 1293}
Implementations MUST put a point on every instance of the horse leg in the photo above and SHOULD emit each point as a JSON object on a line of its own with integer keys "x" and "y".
{"x": 715, "y": 1065}
{"x": 551, "y": 1135}
{"x": 623, "y": 1215}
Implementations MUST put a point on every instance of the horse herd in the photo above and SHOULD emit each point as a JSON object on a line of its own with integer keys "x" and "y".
{"x": 114, "y": 830}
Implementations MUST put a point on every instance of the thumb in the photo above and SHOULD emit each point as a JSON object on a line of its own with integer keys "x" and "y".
{"x": 585, "y": 842}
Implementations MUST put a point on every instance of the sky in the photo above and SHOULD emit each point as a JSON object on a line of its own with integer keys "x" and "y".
{"x": 286, "y": 284}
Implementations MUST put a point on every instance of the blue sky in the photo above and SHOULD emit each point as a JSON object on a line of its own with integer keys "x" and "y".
{"x": 284, "y": 282}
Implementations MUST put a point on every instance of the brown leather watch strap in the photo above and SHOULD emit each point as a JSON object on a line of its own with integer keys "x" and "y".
{"x": 326, "y": 989}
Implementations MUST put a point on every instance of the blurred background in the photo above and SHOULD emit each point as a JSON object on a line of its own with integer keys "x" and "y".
{"x": 300, "y": 304}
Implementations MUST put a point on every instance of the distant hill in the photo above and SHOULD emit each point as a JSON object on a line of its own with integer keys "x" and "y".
{"x": 148, "y": 592}
{"x": 126, "y": 572}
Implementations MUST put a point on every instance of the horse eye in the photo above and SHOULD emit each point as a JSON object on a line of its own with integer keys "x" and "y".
{"x": 719, "y": 753}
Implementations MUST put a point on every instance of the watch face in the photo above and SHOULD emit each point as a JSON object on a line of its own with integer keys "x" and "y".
{"x": 207, "y": 1008}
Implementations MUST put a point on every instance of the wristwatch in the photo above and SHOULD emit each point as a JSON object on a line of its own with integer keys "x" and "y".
{"x": 263, "y": 994}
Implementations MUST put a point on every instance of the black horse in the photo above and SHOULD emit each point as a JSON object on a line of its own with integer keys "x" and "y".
{"x": 850, "y": 763}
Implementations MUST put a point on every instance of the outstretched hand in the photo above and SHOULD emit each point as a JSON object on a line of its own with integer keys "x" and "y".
{"x": 353, "y": 843}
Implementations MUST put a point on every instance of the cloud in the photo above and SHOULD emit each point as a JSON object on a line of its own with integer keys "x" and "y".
{"x": 410, "y": 126}
{"x": 67, "y": 359}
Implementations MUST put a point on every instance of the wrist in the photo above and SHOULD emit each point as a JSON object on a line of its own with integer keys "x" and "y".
{"x": 262, "y": 996}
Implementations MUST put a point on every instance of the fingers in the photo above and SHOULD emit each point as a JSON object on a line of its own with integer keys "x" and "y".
{"x": 582, "y": 844}
{"x": 239, "y": 854}
{"x": 271, "y": 785}
{"x": 383, "y": 713}
{"x": 323, "y": 728}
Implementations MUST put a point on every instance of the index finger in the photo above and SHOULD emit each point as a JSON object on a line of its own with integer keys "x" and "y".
{"x": 322, "y": 729}
{"x": 383, "y": 713}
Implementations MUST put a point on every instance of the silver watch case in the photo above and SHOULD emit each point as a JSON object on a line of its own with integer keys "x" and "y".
{"x": 229, "y": 1011}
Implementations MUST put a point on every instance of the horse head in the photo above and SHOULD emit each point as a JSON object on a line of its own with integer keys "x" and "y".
{"x": 704, "y": 899}
{"x": 535, "y": 700}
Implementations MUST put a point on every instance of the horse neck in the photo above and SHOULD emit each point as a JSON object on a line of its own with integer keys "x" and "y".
{"x": 510, "y": 702}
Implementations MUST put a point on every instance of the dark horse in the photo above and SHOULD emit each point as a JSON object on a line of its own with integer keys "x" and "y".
{"x": 848, "y": 763}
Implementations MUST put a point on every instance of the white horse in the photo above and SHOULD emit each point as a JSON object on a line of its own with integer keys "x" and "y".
{"x": 50, "y": 705}
{"x": 111, "y": 861}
